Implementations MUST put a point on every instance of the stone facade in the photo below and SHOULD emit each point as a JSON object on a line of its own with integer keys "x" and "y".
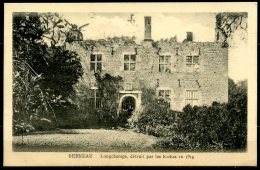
{"x": 188, "y": 72}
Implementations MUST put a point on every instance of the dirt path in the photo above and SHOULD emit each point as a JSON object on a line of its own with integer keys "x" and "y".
{"x": 85, "y": 140}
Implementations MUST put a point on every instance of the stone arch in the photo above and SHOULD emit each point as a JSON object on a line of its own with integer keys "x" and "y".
{"x": 128, "y": 95}
{"x": 128, "y": 101}
{"x": 135, "y": 94}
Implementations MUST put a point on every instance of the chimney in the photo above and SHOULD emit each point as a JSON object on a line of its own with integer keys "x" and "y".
{"x": 189, "y": 36}
{"x": 148, "y": 28}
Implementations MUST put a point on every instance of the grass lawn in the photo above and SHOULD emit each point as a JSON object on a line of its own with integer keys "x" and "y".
{"x": 84, "y": 140}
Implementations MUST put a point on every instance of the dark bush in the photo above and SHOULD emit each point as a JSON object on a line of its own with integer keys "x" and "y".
{"x": 41, "y": 124}
{"x": 176, "y": 142}
{"x": 201, "y": 128}
{"x": 106, "y": 119}
{"x": 68, "y": 117}
{"x": 202, "y": 124}
{"x": 122, "y": 119}
{"x": 236, "y": 120}
{"x": 155, "y": 116}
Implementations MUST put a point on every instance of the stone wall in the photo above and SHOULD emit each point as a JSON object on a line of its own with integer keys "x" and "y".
{"x": 211, "y": 78}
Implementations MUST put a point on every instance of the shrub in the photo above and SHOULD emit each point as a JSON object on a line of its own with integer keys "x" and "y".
{"x": 106, "y": 119}
{"x": 154, "y": 117}
{"x": 123, "y": 119}
{"x": 202, "y": 124}
{"x": 21, "y": 127}
{"x": 41, "y": 123}
{"x": 176, "y": 142}
{"x": 236, "y": 120}
{"x": 205, "y": 128}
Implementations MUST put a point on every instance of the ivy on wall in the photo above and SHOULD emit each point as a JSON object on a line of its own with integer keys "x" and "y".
{"x": 109, "y": 87}
{"x": 109, "y": 42}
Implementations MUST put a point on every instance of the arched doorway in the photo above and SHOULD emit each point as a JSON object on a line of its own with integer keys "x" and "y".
{"x": 127, "y": 98}
{"x": 128, "y": 106}
{"x": 128, "y": 102}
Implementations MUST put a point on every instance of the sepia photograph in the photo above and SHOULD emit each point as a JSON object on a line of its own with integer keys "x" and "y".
{"x": 130, "y": 85}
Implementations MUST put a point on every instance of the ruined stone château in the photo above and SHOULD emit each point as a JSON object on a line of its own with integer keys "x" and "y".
{"x": 182, "y": 73}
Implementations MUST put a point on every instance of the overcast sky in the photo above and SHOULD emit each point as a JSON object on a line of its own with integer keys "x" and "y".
{"x": 164, "y": 25}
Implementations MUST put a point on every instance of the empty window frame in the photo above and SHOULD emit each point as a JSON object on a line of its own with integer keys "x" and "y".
{"x": 165, "y": 95}
{"x": 192, "y": 63}
{"x": 96, "y": 62}
{"x": 192, "y": 97}
{"x": 95, "y": 99}
{"x": 129, "y": 62}
{"x": 164, "y": 63}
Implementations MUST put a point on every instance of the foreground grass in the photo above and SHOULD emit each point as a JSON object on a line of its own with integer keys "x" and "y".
{"x": 85, "y": 140}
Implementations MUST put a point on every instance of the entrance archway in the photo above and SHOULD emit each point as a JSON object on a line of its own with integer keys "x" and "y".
{"x": 128, "y": 106}
{"x": 134, "y": 100}
{"x": 128, "y": 102}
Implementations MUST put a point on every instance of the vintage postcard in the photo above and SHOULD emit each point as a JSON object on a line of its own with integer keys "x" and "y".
{"x": 130, "y": 84}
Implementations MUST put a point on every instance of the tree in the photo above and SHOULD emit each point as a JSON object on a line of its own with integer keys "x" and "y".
{"x": 237, "y": 117}
{"x": 54, "y": 27}
{"x": 28, "y": 53}
{"x": 57, "y": 30}
{"x": 42, "y": 76}
{"x": 229, "y": 25}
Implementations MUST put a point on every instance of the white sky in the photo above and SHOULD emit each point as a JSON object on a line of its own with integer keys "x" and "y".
{"x": 164, "y": 25}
